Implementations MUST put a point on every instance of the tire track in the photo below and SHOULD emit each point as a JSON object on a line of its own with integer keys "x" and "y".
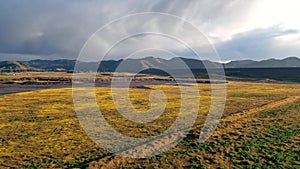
{"x": 247, "y": 113}
{"x": 239, "y": 119}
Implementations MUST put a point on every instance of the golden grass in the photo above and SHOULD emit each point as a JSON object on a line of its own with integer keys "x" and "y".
{"x": 40, "y": 128}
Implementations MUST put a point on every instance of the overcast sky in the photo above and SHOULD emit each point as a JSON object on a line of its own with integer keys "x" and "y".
{"x": 239, "y": 29}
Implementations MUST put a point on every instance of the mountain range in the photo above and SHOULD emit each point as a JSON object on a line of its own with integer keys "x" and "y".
{"x": 132, "y": 65}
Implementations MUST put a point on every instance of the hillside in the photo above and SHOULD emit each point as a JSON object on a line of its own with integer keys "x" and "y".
{"x": 14, "y": 65}
{"x": 133, "y": 65}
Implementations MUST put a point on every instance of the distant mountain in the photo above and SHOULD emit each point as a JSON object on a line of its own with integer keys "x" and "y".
{"x": 270, "y": 63}
{"x": 133, "y": 65}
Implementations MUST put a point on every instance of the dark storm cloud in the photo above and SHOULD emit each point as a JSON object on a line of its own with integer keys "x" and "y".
{"x": 60, "y": 28}
{"x": 51, "y": 27}
{"x": 54, "y": 29}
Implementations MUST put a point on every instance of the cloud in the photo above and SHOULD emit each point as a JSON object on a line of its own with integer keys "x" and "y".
{"x": 259, "y": 44}
{"x": 58, "y": 29}
{"x": 51, "y": 27}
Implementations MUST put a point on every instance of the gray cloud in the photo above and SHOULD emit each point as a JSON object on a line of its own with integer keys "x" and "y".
{"x": 58, "y": 29}
{"x": 51, "y": 27}
{"x": 259, "y": 44}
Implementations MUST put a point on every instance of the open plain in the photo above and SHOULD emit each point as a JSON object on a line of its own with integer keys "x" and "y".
{"x": 259, "y": 128}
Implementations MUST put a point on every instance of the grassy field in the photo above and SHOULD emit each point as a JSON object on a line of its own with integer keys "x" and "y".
{"x": 259, "y": 129}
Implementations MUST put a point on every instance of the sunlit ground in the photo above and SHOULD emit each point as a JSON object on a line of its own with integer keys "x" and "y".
{"x": 259, "y": 127}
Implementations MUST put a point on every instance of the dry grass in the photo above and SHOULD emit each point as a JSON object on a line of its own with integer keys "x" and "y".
{"x": 39, "y": 129}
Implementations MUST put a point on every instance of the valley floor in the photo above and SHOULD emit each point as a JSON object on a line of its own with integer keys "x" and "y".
{"x": 259, "y": 128}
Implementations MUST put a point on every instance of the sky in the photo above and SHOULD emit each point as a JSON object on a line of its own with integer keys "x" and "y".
{"x": 237, "y": 29}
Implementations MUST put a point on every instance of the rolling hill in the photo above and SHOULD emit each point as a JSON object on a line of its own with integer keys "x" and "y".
{"x": 14, "y": 65}
{"x": 132, "y": 65}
